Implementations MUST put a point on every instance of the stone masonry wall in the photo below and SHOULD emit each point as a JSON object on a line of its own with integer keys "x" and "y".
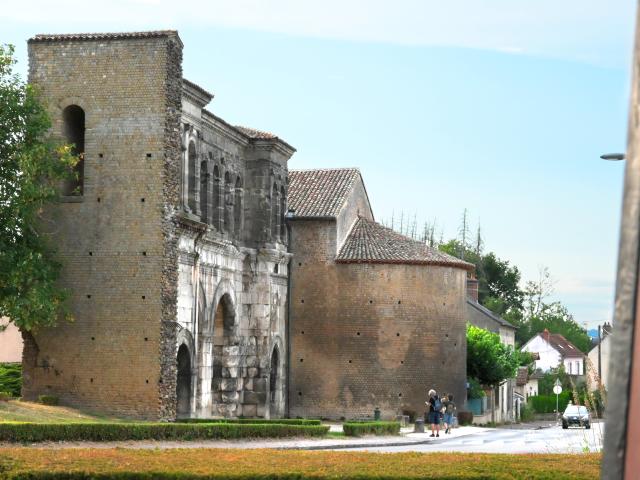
{"x": 371, "y": 335}
{"x": 116, "y": 241}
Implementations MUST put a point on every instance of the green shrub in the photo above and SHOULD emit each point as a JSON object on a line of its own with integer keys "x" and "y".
{"x": 253, "y": 421}
{"x": 357, "y": 429}
{"x": 101, "y": 432}
{"x": 11, "y": 378}
{"x": 526, "y": 412}
{"x": 547, "y": 403}
{"x": 48, "y": 399}
{"x": 5, "y": 396}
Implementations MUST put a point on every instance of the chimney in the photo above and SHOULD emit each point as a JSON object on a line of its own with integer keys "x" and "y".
{"x": 472, "y": 288}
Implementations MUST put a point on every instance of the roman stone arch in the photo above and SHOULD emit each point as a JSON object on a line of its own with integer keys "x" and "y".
{"x": 237, "y": 208}
{"x": 275, "y": 397}
{"x": 204, "y": 192}
{"x": 183, "y": 382}
{"x": 275, "y": 216}
{"x": 226, "y": 369}
{"x": 192, "y": 157}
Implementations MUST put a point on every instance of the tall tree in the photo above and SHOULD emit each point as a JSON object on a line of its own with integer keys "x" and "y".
{"x": 31, "y": 168}
{"x": 488, "y": 360}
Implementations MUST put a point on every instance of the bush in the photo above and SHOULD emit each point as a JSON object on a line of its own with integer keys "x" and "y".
{"x": 526, "y": 412}
{"x": 253, "y": 421}
{"x": 11, "y": 378}
{"x": 5, "y": 396}
{"x": 357, "y": 429}
{"x": 465, "y": 418}
{"x": 48, "y": 399}
{"x": 103, "y": 432}
{"x": 547, "y": 403}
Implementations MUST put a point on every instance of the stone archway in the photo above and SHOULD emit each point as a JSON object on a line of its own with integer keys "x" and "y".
{"x": 183, "y": 383}
{"x": 274, "y": 375}
{"x": 226, "y": 372}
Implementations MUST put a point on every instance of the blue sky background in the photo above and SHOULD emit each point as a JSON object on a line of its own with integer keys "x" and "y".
{"x": 500, "y": 107}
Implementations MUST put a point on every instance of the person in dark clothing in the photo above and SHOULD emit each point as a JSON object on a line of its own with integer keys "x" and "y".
{"x": 435, "y": 409}
{"x": 449, "y": 410}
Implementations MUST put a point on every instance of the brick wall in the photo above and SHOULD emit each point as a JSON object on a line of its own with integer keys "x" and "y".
{"x": 371, "y": 335}
{"x": 116, "y": 241}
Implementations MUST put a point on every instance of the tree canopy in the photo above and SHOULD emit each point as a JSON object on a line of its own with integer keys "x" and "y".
{"x": 31, "y": 168}
{"x": 488, "y": 360}
{"x": 500, "y": 290}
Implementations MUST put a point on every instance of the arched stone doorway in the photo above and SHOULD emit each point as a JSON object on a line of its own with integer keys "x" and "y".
{"x": 183, "y": 384}
{"x": 226, "y": 360}
{"x": 274, "y": 376}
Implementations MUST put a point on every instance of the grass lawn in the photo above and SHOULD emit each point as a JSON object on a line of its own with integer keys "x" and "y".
{"x": 274, "y": 464}
{"x": 19, "y": 411}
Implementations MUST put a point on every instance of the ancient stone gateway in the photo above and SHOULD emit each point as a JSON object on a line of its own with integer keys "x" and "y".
{"x": 171, "y": 239}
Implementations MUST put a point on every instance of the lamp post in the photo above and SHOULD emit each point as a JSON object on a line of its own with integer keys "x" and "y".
{"x": 613, "y": 157}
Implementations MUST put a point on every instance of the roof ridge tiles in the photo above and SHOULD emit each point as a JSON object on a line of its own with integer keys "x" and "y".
{"x": 52, "y": 37}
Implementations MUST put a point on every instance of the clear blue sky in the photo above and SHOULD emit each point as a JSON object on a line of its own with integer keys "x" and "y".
{"x": 501, "y": 108}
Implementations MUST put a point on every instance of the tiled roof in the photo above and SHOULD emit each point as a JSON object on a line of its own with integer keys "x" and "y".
{"x": 522, "y": 376}
{"x": 253, "y": 133}
{"x": 320, "y": 193}
{"x": 562, "y": 345}
{"x": 485, "y": 311}
{"x": 101, "y": 36}
{"x": 370, "y": 242}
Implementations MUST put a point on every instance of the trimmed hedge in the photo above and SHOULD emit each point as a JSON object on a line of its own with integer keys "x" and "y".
{"x": 104, "y": 432}
{"x": 253, "y": 421}
{"x": 204, "y": 463}
{"x": 356, "y": 429}
{"x": 547, "y": 403}
{"x": 11, "y": 378}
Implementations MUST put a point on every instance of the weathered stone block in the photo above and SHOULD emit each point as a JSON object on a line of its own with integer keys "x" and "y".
{"x": 249, "y": 410}
{"x": 230, "y": 397}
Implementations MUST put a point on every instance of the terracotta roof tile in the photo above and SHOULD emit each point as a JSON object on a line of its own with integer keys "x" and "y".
{"x": 101, "y": 36}
{"x": 564, "y": 346}
{"x": 522, "y": 376}
{"x": 370, "y": 242}
{"x": 320, "y": 193}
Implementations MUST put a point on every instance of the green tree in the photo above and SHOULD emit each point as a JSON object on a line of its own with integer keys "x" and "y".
{"x": 31, "y": 168}
{"x": 488, "y": 360}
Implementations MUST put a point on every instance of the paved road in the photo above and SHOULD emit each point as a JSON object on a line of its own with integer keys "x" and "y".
{"x": 501, "y": 440}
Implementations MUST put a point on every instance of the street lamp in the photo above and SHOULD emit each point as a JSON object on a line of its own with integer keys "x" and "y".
{"x": 613, "y": 157}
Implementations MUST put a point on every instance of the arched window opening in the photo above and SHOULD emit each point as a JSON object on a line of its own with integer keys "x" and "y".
{"x": 204, "y": 192}
{"x": 283, "y": 225}
{"x": 215, "y": 198}
{"x": 275, "y": 216}
{"x": 274, "y": 378}
{"x": 191, "y": 177}
{"x": 237, "y": 208}
{"x": 228, "y": 203}
{"x": 183, "y": 384}
{"x": 73, "y": 130}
